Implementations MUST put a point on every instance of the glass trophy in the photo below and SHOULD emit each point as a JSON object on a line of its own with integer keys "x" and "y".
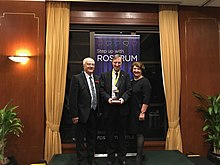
{"x": 115, "y": 95}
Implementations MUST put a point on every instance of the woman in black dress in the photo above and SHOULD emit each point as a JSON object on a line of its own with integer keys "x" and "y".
{"x": 141, "y": 91}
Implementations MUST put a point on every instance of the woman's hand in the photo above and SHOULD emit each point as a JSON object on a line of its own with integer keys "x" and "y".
{"x": 75, "y": 120}
{"x": 142, "y": 116}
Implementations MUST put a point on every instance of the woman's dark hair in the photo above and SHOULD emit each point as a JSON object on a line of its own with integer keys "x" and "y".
{"x": 139, "y": 65}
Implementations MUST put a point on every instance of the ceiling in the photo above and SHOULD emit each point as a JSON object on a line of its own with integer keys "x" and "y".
{"x": 200, "y": 3}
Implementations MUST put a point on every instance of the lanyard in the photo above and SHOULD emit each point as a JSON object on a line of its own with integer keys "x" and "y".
{"x": 116, "y": 78}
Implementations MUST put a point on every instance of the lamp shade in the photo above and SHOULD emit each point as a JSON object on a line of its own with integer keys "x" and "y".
{"x": 19, "y": 59}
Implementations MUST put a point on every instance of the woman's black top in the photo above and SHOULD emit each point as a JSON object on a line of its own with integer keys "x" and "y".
{"x": 141, "y": 92}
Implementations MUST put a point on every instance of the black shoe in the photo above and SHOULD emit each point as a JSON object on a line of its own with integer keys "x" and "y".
{"x": 109, "y": 163}
{"x": 138, "y": 160}
{"x": 81, "y": 162}
{"x": 123, "y": 162}
{"x": 91, "y": 161}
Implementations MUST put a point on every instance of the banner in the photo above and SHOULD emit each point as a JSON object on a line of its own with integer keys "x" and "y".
{"x": 107, "y": 45}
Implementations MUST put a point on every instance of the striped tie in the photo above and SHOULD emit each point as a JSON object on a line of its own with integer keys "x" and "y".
{"x": 94, "y": 100}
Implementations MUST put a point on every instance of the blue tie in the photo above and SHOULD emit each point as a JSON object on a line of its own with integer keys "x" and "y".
{"x": 94, "y": 100}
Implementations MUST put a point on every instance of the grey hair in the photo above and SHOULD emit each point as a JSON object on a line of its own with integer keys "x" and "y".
{"x": 86, "y": 59}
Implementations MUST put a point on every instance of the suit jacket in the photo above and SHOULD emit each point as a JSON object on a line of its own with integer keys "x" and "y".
{"x": 80, "y": 97}
{"x": 124, "y": 87}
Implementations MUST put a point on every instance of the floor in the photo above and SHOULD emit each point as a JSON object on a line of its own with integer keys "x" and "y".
{"x": 151, "y": 158}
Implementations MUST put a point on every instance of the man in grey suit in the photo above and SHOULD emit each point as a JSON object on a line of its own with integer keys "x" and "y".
{"x": 84, "y": 96}
{"x": 115, "y": 90}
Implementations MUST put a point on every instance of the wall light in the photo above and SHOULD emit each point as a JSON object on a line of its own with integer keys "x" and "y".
{"x": 22, "y": 56}
{"x": 19, "y": 59}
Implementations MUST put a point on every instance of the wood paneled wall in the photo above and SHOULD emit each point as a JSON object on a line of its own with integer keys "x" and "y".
{"x": 22, "y": 26}
{"x": 200, "y": 63}
{"x": 114, "y": 14}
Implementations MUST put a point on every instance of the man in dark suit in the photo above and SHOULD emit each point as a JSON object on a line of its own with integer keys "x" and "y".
{"x": 115, "y": 89}
{"x": 84, "y": 96}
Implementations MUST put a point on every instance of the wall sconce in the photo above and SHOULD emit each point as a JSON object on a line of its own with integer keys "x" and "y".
{"x": 19, "y": 59}
{"x": 22, "y": 56}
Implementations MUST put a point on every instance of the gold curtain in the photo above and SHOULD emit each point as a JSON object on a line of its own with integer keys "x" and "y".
{"x": 170, "y": 57}
{"x": 57, "y": 42}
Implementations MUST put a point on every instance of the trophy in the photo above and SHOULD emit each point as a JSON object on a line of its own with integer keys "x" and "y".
{"x": 115, "y": 95}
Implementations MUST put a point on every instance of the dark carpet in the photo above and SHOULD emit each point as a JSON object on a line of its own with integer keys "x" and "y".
{"x": 151, "y": 158}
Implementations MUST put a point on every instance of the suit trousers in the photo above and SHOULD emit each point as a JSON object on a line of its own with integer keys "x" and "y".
{"x": 86, "y": 130}
{"x": 116, "y": 125}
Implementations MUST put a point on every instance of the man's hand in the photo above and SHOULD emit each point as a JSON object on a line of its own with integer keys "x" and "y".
{"x": 121, "y": 100}
{"x": 110, "y": 100}
{"x": 75, "y": 120}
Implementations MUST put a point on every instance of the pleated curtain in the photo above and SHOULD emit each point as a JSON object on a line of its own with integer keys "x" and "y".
{"x": 57, "y": 41}
{"x": 170, "y": 59}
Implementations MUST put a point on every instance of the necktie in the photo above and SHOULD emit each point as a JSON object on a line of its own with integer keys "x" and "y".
{"x": 94, "y": 100}
{"x": 116, "y": 79}
{"x": 116, "y": 75}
